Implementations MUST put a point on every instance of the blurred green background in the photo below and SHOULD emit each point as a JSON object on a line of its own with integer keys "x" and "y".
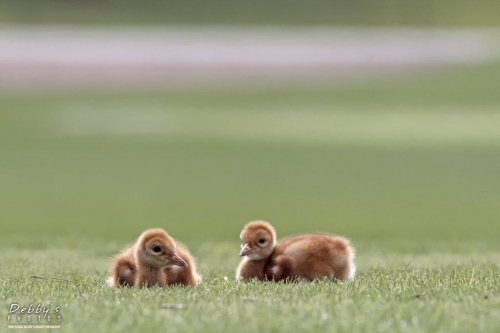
{"x": 109, "y": 178}
{"x": 452, "y": 13}
{"x": 394, "y": 161}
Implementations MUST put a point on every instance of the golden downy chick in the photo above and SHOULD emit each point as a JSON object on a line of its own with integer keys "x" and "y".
{"x": 305, "y": 257}
{"x": 154, "y": 251}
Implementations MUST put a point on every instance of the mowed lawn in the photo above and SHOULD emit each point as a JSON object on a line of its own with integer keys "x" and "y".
{"x": 409, "y": 170}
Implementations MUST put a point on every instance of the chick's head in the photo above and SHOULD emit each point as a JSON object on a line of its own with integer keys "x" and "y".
{"x": 157, "y": 249}
{"x": 258, "y": 239}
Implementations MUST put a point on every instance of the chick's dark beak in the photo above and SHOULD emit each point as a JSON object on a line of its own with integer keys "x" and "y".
{"x": 245, "y": 250}
{"x": 178, "y": 261}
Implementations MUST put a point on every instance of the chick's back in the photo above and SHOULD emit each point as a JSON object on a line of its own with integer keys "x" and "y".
{"x": 317, "y": 256}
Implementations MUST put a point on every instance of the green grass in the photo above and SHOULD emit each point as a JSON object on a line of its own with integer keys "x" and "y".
{"x": 407, "y": 169}
{"x": 439, "y": 292}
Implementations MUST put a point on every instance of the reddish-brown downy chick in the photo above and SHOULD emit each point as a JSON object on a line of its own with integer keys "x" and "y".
{"x": 145, "y": 263}
{"x": 304, "y": 257}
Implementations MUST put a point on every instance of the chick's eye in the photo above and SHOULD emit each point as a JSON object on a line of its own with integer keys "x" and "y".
{"x": 262, "y": 240}
{"x": 156, "y": 249}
